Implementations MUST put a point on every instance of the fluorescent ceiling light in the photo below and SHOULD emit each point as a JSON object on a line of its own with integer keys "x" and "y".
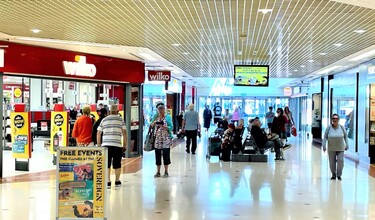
{"x": 303, "y": 66}
{"x": 322, "y": 54}
{"x": 364, "y": 55}
{"x": 311, "y": 61}
{"x": 328, "y": 70}
{"x": 360, "y": 31}
{"x": 295, "y": 70}
{"x": 192, "y": 60}
{"x": 185, "y": 53}
{"x": 148, "y": 56}
{"x": 35, "y": 31}
{"x": 176, "y": 45}
{"x": 338, "y": 45}
{"x": 265, "y": 10}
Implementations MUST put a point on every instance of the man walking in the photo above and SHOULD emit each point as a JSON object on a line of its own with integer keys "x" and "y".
{"x": 113, "y": 129}
{"x": 269, "y": 116}
{"x": 190, "y": 126}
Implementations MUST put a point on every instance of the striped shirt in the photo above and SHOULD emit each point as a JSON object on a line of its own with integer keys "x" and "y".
{"x": 112, "y": 127}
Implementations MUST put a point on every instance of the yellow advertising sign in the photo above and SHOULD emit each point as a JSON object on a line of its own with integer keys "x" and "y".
{"x": 21, "y": 142}
{"x": 81, "y": 182}
{"x": 94, "y": 115}
{"x": 59, "y": 130}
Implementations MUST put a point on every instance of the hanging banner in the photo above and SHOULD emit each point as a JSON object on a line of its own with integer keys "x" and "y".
{"x": 21, "y": 143}
{"x": 81, "y": 182}
{"x": 59, "y": 130}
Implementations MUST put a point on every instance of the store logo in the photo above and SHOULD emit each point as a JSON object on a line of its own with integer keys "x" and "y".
{"x": 58, "y": 120}
{"x": 19, "y": 121}
{"x": 159, "y": 75}
{"x": 79, "y": 68}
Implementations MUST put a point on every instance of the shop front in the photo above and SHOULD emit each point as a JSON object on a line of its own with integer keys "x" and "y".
{"x": 46, "y": 81}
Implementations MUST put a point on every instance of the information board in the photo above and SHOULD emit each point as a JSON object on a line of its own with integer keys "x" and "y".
{"x": 81, "y": 183}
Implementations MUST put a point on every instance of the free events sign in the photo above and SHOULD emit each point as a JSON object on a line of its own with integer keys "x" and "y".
{"x": 81, "y": 182}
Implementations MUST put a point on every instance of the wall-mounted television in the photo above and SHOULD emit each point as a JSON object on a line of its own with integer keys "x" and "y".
{"x": 251, "y": 75}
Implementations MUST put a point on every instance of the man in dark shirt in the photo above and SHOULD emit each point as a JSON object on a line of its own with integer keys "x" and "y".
{"x": 263, "y": 141}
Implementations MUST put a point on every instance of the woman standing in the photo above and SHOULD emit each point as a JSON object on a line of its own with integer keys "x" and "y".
{"x": 278, "y": 127}
{"x": 288, "y": 114}
{"x": 207, "y": 116}
{"x": 337, "y": 139}
{"x": 82, "y": 130}
{"x": 162, "y": 122}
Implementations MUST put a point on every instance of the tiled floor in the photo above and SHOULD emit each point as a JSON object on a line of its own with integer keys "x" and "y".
{"x": 298, "y": 188}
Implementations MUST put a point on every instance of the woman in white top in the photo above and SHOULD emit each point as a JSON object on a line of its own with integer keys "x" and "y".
{"x": 337, "y": 139}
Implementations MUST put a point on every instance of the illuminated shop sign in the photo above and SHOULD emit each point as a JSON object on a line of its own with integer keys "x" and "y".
{"x": 79, "y": 68}
{"x": 159, "y": 75}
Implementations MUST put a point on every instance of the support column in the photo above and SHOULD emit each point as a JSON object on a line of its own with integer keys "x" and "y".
{"x": 141, "y": 119}
{"x": 193, "y": 90}
{"x": 127, "y": 114}
{"x": 183, "y": 92}
{"x": 1, "y": 126}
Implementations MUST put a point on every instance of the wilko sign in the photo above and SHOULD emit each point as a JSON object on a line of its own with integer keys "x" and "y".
{"x": 159, "y": 75}
{"x": 79, "y": 68}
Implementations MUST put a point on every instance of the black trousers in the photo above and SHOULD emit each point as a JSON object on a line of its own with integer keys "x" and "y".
{"x": 191, "y": 137}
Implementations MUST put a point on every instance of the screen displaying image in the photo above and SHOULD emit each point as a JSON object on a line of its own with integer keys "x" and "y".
{"x": 251, "y": 75}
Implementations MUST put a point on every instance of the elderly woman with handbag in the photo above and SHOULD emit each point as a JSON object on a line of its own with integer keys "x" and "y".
{"x": 162, "y": 123}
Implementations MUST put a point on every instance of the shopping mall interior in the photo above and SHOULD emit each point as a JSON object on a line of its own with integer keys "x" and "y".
{"x": 316, "y": 57}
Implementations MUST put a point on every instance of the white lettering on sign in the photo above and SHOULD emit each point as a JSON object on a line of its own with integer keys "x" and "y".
{"x": 80, "y": 68}
{"x": 159, "y": 76}
{"x": 1, "y": 58}
{"x": 371, "y": 69}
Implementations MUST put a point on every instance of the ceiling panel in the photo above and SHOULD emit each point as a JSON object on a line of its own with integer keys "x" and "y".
{"x": 213, "y": 35}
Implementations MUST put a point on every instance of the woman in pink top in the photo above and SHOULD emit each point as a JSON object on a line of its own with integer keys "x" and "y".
{"x": 235, "y": 115}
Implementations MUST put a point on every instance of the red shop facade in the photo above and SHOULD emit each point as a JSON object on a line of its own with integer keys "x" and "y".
{"x": 125, "y": 78}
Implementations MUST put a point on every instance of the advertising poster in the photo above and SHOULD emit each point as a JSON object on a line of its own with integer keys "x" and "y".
{"x": 59, "y": 130}
{"x": 21, "y": 142}
{"x": 134, "y": 120}
{"x": 81, "y": 182}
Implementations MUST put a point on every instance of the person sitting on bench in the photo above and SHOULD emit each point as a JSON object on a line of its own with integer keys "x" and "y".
{"x": 264, "y": 141}
{"x": 237, "y": 138}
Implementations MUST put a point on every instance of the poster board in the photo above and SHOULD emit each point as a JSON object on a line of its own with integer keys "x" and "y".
{"x": 59, "y": 130}
{"x": 81, "y": 183}
{"x": 21, "y": 138}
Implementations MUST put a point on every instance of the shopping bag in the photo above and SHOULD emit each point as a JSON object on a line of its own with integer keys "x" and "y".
{"x": 150, "y": 140}
{"x": 294, "y": 131}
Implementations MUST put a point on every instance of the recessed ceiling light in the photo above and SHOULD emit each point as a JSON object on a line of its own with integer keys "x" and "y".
{"x": 311, "y": 61}
{"x": 303, "y": 66}
{"x": 176, "y": 45}
{"x": 295, "y": 70}
{"x": 185, "y": 53}
{"x": 265, "y": 10}
{"x": 35, "y": 31}
{"x": 322, "y": 54}
{"x": 337, "y": 45}
{"x": 360, "y": 31}
{"x": 197, "y": 65}
{"x": 192, "y": 60}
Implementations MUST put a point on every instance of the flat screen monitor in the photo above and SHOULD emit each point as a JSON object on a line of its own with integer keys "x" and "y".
{"x": 251, "y": 75}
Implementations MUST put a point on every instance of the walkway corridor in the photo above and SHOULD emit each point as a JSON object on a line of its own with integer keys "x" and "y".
{"x": 297, "y": 188}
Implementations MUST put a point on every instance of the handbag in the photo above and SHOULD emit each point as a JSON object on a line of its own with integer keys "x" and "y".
{"x": 294, "y": 131}
{"x": 150, "y": 140}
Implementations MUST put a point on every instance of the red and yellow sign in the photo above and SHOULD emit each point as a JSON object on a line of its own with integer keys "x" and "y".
{"x": 21, "y": 143}
{"x": 59, "y": 130}
{"x": 81, "y": 182}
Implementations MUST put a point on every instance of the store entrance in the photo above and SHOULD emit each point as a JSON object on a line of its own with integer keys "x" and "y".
{"x": 41, "y": 96}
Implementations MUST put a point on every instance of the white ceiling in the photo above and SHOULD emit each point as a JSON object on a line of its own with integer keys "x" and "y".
{"x": 201, "y": 38}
